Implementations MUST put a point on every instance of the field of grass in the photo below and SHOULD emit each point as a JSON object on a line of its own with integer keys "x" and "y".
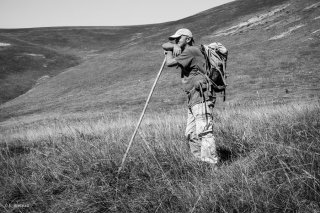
{"x": 269, "y": 163}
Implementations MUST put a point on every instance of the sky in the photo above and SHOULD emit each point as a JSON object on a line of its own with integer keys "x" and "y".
{"x": 52, "y": 13}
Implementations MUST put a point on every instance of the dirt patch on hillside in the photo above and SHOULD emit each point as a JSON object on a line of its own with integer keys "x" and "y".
{"x": 287, "y": 33}
{"x": 313, "y": 6}
{"x": 4, "y": 44}
{"x": 254, "y": 21}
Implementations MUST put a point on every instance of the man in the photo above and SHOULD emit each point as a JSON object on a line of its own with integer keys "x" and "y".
{"x": 180, "y": 52}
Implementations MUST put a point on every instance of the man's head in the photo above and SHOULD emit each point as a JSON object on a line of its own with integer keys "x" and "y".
{"x": 182, "y": 37}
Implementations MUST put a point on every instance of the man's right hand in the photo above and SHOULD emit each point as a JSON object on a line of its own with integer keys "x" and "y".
{"x": 170, "y": 61}
{"x": 176, "y": 50}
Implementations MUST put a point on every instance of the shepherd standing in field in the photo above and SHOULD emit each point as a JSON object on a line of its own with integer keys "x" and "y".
{"x": 180, "y": 52}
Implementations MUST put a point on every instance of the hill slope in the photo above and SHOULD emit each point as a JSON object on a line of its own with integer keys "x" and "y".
{"x": 22, "y": 63}
{"x": 274, "y": 57}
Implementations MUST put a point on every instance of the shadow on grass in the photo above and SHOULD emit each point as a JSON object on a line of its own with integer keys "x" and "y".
{"x": 10, "y": 151}
{"x": 225, "y": 155}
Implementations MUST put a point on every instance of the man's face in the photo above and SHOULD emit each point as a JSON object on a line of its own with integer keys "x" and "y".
{"x": 181, "y": 41}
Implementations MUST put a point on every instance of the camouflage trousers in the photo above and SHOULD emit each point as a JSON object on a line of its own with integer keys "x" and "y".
{"x": 199, "y": 132}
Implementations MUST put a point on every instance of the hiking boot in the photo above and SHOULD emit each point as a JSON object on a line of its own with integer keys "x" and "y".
{"x": 209, "y": 165}
{"x": 209, "y": 160}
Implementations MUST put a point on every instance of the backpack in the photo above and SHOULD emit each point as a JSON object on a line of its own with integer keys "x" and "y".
{"x": 216, "y": 56}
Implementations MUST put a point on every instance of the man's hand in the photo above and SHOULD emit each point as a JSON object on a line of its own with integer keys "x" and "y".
{"x": 170, "y": 61}
{"x": 176, "y": 50}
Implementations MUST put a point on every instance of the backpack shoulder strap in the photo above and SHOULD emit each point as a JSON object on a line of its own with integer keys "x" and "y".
{"x": 204, "y": 50}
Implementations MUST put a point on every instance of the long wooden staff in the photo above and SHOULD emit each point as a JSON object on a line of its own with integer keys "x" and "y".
{"x": 141, "y": 116}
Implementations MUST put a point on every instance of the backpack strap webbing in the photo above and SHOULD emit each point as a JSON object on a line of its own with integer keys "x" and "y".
{"x": 205, "y": 51}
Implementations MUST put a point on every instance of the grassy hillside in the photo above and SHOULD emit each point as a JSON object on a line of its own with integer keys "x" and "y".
{"x": 274, "y": 57}
{"x": 269, "y": 163}
{"x": 23, "y": 63}
{"x": 30, "y": 54}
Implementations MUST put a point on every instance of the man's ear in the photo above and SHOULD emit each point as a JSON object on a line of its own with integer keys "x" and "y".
{"x": 188, "y": 39}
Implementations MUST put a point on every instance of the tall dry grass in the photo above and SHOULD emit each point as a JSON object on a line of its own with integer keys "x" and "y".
{"x": 269, "y": 163}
